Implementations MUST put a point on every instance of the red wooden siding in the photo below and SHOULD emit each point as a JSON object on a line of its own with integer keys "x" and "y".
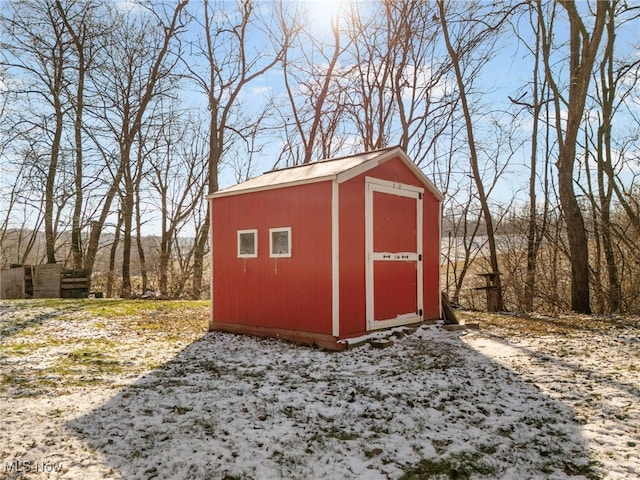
{"x": 393, "y": 214}
{"x": 431, "y": 258}
{"x": 395, "y": 171}
{"x": 352, "y": 260}
{"x": 287, "y": 293}
{"x": 395, "y": 288}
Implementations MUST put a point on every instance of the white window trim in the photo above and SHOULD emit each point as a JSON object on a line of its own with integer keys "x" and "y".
{"x": 254, "y": 231}
{"x": 279, "y": 255}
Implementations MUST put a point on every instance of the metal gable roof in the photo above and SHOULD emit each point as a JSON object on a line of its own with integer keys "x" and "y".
{"x": 342, "y": 169}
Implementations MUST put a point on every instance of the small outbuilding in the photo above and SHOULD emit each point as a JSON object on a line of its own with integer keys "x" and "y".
{"x": 326, "y": 251}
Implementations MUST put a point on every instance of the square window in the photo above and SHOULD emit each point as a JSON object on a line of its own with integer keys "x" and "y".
{"x": 280, "y": 242}
{"x": 247, "y": 243}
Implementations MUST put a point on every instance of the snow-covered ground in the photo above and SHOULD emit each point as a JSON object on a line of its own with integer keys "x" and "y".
{"x": 84, "y": 397}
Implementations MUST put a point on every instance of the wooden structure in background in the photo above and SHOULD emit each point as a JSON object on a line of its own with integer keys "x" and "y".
{"x": 16, "y": 282}
{"x": 448, "y": 314}
{"x": 46, "y": 280}
{"x": 74, "y": 284}
{"x": 43, "y": 281}
{"x": 492, "y": 290}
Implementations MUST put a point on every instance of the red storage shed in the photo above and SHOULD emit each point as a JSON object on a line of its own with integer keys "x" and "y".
{"x": 328, "y": 250}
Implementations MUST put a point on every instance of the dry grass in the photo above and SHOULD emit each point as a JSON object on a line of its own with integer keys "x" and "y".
{"x": 50, "y": 346}
{"x": 519, "y": 325}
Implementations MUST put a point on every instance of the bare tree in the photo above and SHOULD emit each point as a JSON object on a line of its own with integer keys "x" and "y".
{"x": 39, "y": 45}
{"x": 178, "y": 176}
{"x": 536, "y": 226}
{"x": 605, "y": 189}
{"x": 370, "y": 103}
{"x": 129, "y": 93}
{"x": 83, "y": 29}
{"x": 458, "y": 54}
{"x": 313, "y": 91}
{"x": 536, "y": 105}
{"x": 19, "y": 237}
{"x": 584, "y": 47}
{"x": 396, "y": 89}
{"x": 142, "y": 159}
{"x": 614, "y": 81}
{"x": 232, "y": 63}
{"x": 113, "y": 250}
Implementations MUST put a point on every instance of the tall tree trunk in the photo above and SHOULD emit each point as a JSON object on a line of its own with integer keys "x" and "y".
{"x": 112, "y": 257}
{"x": 165, "y": 251}
{"x": 215, "y": 154}
{"x": 605, "y": 189}
{"x": 127, "y": 224}
{"x": 595, "y": 283}
{"x": 130, "y": 130}
{"x": 142, "y": 259}
{"x": 97, "y": 225}
{"x": 198, "y": 256}
{"x": 76, "y": 221}
{"x": 582, "y": 56}
{"x": 49, "y": 228}
{"x": 534, "y": 233}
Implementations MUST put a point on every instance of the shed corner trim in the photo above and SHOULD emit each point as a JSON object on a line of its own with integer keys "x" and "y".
{"x": 335, "y": 258}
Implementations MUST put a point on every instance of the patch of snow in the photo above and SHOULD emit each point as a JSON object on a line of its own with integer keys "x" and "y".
{"x": 594, "y": 373}
{"x": 234, "y": 406}
{"x": 374, "y": 335}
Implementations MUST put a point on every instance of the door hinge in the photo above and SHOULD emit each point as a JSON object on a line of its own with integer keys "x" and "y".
{"x": 420, "y": 196}
{"x": 419, "y": 312}
{"x": 420, "y": 257}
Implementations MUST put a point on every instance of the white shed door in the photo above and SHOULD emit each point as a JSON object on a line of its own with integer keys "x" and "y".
{"x": 393, "y": 226}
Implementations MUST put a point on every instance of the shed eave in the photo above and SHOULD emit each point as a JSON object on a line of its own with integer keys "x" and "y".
{"x": 240, "y": 191}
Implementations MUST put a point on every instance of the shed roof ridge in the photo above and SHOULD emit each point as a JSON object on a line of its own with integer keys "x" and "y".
{"x": 334, "y": 159}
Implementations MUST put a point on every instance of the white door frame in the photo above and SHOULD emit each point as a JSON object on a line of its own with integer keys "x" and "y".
{"x": 392, "y": 188}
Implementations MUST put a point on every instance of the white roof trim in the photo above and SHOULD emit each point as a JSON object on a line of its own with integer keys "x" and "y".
{"x": 227, "y": 192}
